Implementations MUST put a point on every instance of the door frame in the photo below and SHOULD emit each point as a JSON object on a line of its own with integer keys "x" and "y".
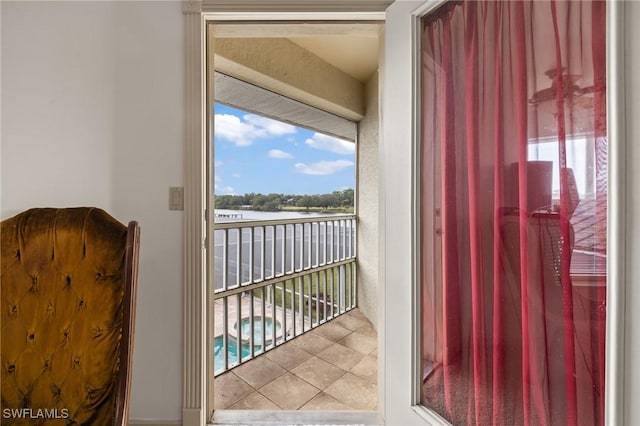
{"x": 401, "y": 224}
{"x": 197, "y": 389}
{"x": 400, "y": 213}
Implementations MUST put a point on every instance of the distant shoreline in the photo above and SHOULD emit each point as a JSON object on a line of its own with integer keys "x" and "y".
{"x": 337, "y": 202}
{"x": 294, "y": 209}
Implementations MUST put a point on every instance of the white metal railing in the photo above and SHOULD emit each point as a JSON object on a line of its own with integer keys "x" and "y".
{"x": 274, "y": 280}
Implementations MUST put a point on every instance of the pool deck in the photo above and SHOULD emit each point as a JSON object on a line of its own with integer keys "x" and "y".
{"x": 332, "y": 367}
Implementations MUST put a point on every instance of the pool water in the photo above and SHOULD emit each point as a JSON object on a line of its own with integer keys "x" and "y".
{"x": 232, "y": 343}
{"x": 232, "y": 352}
{"x": 257, "y": 329}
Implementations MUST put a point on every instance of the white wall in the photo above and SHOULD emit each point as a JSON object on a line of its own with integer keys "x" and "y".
{"x": 148, "y": 159}
{"x": 58, "y": 105}
{"x": 92, "y": 99}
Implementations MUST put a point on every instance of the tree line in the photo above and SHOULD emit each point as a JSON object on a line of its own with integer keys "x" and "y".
{"x": 276, "y": 202}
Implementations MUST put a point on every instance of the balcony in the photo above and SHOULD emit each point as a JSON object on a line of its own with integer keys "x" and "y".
{"x": 275, "y": 280}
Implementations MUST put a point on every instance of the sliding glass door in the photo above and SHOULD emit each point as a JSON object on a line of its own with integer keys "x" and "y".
{"x": 513, "y": 188}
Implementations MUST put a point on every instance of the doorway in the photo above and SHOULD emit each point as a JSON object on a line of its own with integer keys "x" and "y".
{"x": 301, "y": 60}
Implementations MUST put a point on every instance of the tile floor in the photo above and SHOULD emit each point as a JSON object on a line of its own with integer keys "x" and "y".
{"x": 333, "y": 367}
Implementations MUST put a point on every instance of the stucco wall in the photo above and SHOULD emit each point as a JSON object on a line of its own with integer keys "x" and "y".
{"x": 367, "y": 204}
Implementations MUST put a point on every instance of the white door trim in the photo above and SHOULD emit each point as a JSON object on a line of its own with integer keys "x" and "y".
{"x": 194, "y": 311}
{"x": 398, "y": 215}
{"x": 616, "y": 334}
{"x": 197, "y": 15}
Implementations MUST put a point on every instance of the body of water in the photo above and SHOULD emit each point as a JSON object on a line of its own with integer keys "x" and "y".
{"x": 224, "y": 216}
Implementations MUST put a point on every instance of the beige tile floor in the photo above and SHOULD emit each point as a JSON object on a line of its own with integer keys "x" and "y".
{"x": 333, "y": 367}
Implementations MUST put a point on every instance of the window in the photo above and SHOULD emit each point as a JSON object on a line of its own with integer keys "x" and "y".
{"x": 580, "y": 159}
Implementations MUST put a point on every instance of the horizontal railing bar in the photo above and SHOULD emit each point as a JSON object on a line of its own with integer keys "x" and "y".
{"x": 280, "y": 279}
{"x": 275, "y": 222}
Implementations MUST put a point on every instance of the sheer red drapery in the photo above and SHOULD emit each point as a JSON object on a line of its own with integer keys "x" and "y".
{"x": 513, "y": 193}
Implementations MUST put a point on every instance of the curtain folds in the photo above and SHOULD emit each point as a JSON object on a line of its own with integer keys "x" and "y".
{"x": 513, "y": 182}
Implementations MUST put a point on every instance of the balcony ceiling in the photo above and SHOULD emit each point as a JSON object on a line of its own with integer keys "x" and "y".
{"x": 354, "y": 55}
{"x": 351, "y": 47}
{"x": 325, "y": 65}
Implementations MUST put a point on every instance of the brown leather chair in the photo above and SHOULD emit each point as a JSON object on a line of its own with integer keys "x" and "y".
{"x": 68, "y": 290}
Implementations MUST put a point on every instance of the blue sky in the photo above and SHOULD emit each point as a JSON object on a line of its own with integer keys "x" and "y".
{"x": 256, "y": 154}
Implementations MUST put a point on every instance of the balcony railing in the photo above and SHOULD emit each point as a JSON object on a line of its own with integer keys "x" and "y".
{"x": 274, "y": 280}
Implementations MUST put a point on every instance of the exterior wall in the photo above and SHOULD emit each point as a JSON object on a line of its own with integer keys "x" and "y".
{"x": 367, "y": 204}
{"x": 92, "y": 98}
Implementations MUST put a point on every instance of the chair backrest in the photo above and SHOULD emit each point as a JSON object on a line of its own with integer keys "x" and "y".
{"x": 68, "y": 289}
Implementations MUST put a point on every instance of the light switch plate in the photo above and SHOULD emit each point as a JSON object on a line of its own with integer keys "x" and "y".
{"x": 176, "y": 198}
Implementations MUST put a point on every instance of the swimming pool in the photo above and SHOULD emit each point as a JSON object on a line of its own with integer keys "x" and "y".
{"x": 232, "y": 341}
{"x": 232, "y": 352}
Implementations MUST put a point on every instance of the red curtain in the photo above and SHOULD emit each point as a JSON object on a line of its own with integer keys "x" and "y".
{"x": 513, "y": 194}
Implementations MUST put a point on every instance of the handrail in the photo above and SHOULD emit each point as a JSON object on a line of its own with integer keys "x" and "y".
{"x": 259, "y": 284}
{"x": 251, "y": 252}
{"x": 273, "y": 222}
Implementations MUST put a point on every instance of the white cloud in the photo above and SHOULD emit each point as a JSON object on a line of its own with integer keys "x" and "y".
{"x": 217, "y": 178}
{"x": 218, "y": 163}
{"x": 243, "y": 132}
{"x": 323, "y": 167}
{"x": 224, "y": 190}
{"x": 231, "y": 128}
{"x": 236, "y": 175}
{"x": 273, "y": 127}
{"x": 279, "y": 154}
{"x": 329, "y": 143}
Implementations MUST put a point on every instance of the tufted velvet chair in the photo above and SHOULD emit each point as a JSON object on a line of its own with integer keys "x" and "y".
{"x": 67, "y": 289}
